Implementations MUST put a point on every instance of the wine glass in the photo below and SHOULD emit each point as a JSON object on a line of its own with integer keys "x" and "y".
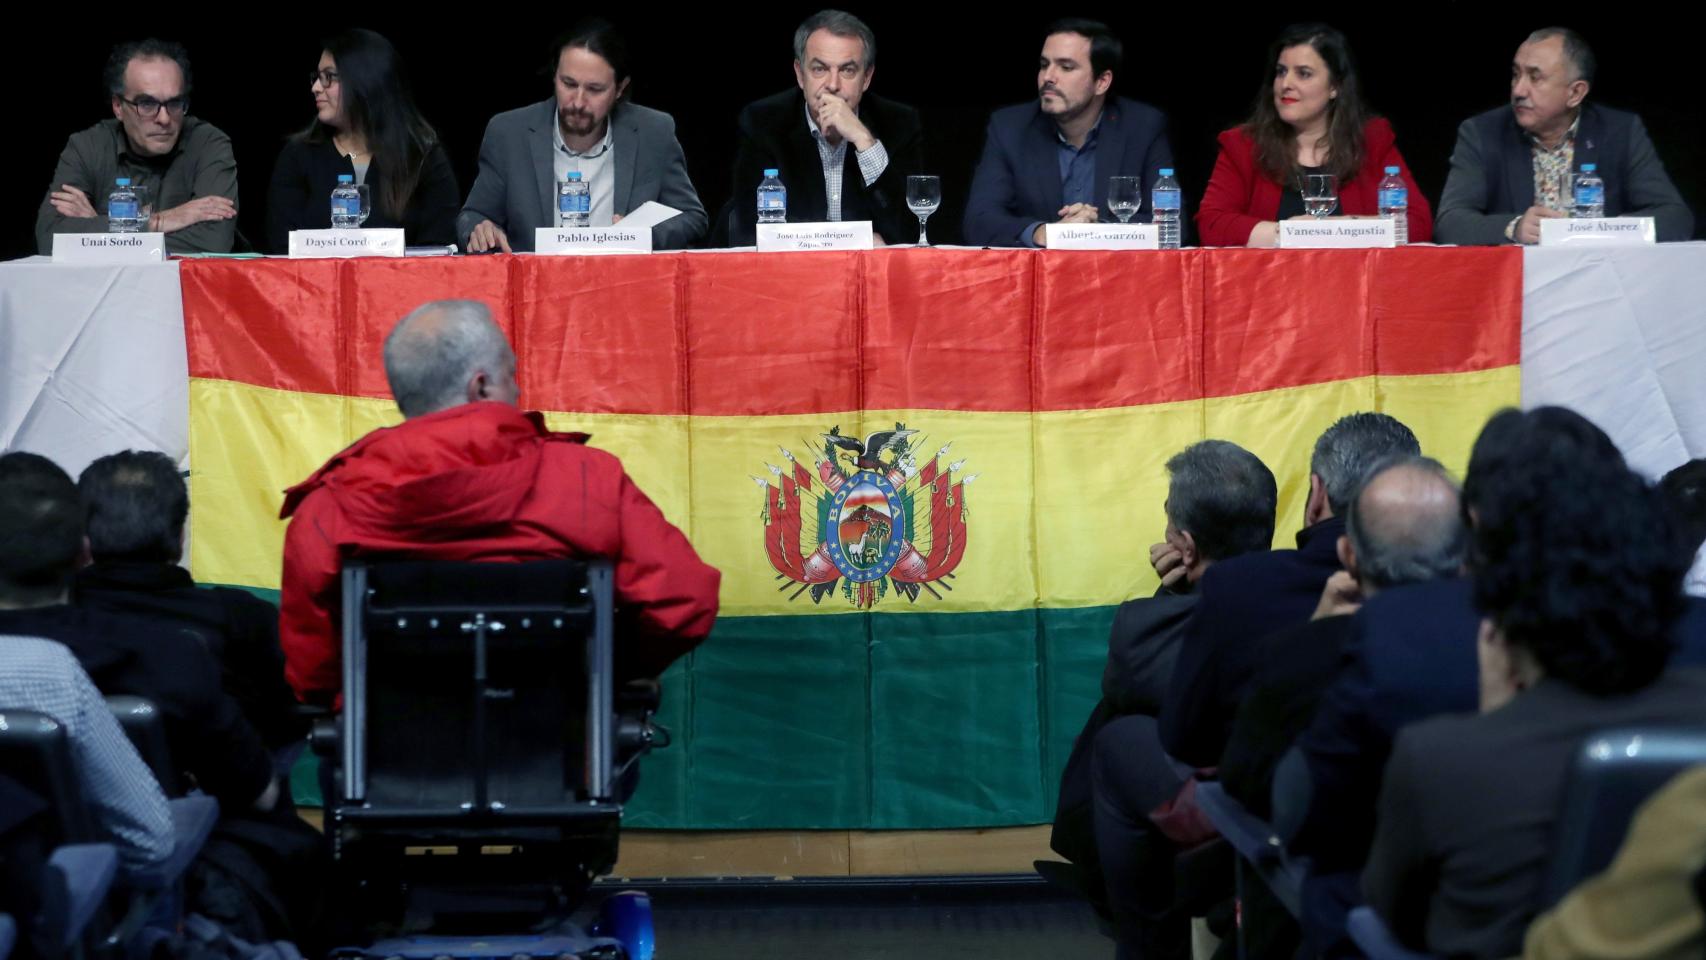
{"x": 1320, "y": 194}
{"x": 923, "y": 196}
{"x": 366, "y": 193}
{"x": 1124, "y": 197}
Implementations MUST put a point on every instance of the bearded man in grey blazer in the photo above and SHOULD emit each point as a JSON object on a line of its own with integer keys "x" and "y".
{"x": 626, "y": 152}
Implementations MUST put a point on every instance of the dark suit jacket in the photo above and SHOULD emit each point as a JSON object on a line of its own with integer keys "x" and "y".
{"x": 1468, "y": 809}
{"x": 300, "y": 197}
{"x": 237, "y": 627}
{"x": 1017, "y": 183}
{"x": 1492, "y": 176}
{"x": 516, "y": 187}
{"x": 1297, "y": 665}
{"x": 1143, "y": 647}
{"x": 137, "y": 656}
{"x": 1242, "y": 600}
{"x": 773, "y": 133}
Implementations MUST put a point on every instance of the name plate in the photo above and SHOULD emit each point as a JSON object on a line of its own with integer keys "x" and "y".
{"x": 109, "y": 247}
{"x": 1598, "y": 231}
{"x": 851, "y": 235}
{"x": 311, "y": 244}
{"x": 558, "y": 241}
{"x": 1102, "y": 236}
{"x": 1348, "y": 233}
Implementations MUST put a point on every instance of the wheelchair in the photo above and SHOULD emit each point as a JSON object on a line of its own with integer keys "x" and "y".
{"x": 481, "y": 759}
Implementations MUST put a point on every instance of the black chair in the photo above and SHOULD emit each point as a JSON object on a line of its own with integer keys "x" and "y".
{"x": 1258, "y": 849}
{"x": 34, "y": 750}
{"x": 479, "y": 723}
{"x": 145, "y": 727}
{"x": 1614, "y": 772}
{"x": 75, "y": 885}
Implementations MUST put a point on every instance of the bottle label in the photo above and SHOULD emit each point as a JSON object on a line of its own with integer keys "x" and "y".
{"x": 1164, "y": 199}
{"x": 123, "y": 210}
{"x": 1589, "y": 195}
{"x": 1399, "y": 197}
{"x": 346, "y": 207}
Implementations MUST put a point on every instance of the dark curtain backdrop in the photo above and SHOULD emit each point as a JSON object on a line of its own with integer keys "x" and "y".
{"x": 1426, "y": 67}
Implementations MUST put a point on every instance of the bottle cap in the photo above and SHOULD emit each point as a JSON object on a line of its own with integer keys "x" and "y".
{"x": 574, "y": 176}
{"x": 1166, "y": 171}
{"x": 346, "y": 178}
{"x": 124, "y": 181}
{"x": 1589, "y": 167}
{"x": 1392, "y": 170}
{"x": 772, "y": 172}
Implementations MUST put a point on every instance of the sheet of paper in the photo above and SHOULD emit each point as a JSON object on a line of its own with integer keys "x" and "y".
{"x": 649, "y": 214}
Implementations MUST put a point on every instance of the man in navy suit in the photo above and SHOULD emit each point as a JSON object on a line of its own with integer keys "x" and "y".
{"x": 1049, "y": 161}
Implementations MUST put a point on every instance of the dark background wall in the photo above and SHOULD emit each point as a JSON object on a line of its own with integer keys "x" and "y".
{"x": 1426, "y": 73}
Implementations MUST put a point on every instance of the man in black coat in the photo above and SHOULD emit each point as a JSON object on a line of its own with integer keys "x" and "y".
{"x": 134, "y": 507}
{"x": 841, "y": 152}
{"x": 1247, "y": 598}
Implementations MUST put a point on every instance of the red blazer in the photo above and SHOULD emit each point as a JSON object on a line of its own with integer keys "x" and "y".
{"x": 1240, "y": 196}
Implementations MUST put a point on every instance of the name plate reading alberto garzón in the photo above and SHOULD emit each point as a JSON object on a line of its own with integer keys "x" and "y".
{"x": 109, "y": 247}
{"x": 378, "y": 242}
{"x": 1349, "y": 233}
{"x": 1598, "y": 231}
{"x": 851, "y": 235}
{"x": 1102, "y": 236}
{"x": 560, "y": 241}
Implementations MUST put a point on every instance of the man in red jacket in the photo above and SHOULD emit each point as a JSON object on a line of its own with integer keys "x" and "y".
{"x": 468, "y": 476}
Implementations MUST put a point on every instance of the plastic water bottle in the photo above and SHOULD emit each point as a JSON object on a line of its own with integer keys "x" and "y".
{"x": 1395, "y": 203}
{"x": 772, "y": 198}
{"x": 574, "y": 201}
{"x": 346, "y": 203}
{"x": 1164, "y": 204}
{"x": 124, "y": 211}
{"x": 1590, "y": 194}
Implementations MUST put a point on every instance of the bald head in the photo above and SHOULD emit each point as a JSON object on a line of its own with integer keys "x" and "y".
{"x": 1405, "y": 525}
{"x": 447, "y": 353}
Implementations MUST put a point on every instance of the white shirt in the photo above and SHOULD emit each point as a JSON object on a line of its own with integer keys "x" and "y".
{"x": 872, "y": 163}
{"x": 597, "y": 167}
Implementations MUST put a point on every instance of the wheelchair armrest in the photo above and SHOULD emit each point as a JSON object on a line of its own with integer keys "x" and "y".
{"x": 75, "y": 884}
{"x": 192, "y": 821}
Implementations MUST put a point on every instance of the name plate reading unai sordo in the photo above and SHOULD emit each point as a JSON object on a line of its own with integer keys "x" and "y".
{"x": 378, "y": 242}
{"x": 1102, "y": 236}
{"x": 1597, "y": 231}
{"x": 109, "y": 247}
{"x": 558, "y": 241}
{"x": 1351, "y": 233}
{"x": 851, "y": 235}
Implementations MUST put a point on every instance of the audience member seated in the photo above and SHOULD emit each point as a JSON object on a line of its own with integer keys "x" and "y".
{"x": 843, "y": 153}
{"x": 1310, "y": 119}
{"x": 1684, "y": 491}
{"x": 134, "y": 507}
{"x": 1578, "y": 577}
{"x": 365, "y": 125}
{"x": 1220, "y": 504}
{"x": 1049, "y": 160}
{"x": 467, "y": 476}
{"x": 1513, "y": 166}
{"x": 1405, "y": 525}
{"x": 1246, "y": 598}
{"x": 627, "y": 153}
{"x": 43, "y": 530}
{"x": 1644, "y": 906}
{"x": 183, "y": 169}
{"x": 1410, "y": 655}
{"x": 42, "y": 675}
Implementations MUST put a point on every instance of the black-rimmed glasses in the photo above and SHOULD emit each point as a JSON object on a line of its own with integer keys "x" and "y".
{"x": 150, "y": 107}
{"x": 326, "y": 78}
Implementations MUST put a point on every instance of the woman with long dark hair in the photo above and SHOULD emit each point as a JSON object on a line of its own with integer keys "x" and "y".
{"x": 366, "y": 125}
{"x": 1309, "y": 118}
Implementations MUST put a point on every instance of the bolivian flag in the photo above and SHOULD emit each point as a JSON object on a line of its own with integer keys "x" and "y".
{"x": 928, "y": 476}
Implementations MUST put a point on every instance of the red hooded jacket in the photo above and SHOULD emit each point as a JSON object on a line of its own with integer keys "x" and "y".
{"x": 484, "y": 481}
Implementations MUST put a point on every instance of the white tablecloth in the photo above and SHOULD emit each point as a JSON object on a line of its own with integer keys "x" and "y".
{"x": 1619, "y": 335}
{"x": 92, "y": 361}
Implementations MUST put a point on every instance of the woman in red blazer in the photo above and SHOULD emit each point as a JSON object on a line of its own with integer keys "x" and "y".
{"x": 1309, "y": 119}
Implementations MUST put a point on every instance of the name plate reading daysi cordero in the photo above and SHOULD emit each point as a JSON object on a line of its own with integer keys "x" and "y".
{"x": 377, "y": 242}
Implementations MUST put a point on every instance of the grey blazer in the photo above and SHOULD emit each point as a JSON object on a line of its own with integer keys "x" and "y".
{"x": 516, "y": 187}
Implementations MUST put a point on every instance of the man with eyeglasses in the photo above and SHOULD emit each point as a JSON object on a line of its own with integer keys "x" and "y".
{"x": 184, "y": 169}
